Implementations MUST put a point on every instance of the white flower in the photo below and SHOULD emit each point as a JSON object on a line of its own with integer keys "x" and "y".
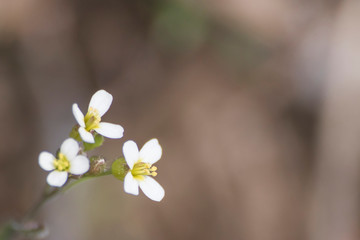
{"x": 68, "y": 162}
{"x": 141, "y": 169}
{"x": 99, "y": 104}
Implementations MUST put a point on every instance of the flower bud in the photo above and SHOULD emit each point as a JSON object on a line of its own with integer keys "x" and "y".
{"x": 119, "y": 168}
{"x": 99, "y": 139}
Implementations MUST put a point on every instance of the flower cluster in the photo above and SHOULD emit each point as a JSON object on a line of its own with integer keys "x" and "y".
{"x": 71, "y": 161}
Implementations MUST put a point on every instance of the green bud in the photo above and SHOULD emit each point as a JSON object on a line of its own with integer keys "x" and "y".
{"x": 75, "y": 133}
{"x": 98, "y": 142}
{"x": 119, "y": 168}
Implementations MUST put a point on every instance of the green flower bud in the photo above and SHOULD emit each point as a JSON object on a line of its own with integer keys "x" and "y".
{"x": 119, "y": 168}
{"x": 99, "y": 139}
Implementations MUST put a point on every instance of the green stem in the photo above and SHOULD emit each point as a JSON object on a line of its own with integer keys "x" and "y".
{"x": 46, "y": 196}
{"x": 8, "y": 230}
{"x": 83, "y": 179}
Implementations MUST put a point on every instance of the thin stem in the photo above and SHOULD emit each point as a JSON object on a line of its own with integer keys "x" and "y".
{"x": 83, "y": 179}
{"x": 8, "y": 230}
{"x": 51, "y": 192}
{"x": 47, "y": 195}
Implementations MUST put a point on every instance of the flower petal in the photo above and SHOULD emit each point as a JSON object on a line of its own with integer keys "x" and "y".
{"x": 152, "y": 189}
{"x": 131, "y": 185}
{"x": 151, "y": 152}
{"x": 131, "y": 153}
{"x": 110, "y": 130}
{"x": 79, "y": 116}
{"x": 46, "y": 161}
{"x": 86, "y": 136}
{"x": 69, "y": 148}
{"x": 56, "y": 178}
{"x": 79, "y": 165}
{"x": 101, "y": 101}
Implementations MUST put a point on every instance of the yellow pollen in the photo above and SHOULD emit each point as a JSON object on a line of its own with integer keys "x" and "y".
{"x": 92, "y": 119}
{"x": 141, "y": 169}
{"x": 62, "y": 164}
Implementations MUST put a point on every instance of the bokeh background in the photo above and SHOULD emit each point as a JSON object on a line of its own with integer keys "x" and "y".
{"x": 255, "y": 103}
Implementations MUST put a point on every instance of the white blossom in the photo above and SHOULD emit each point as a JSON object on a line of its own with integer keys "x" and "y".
{"x": 68, "y": 161}
{"x": 140, "y": 164}
{"x": 99, "y": 104}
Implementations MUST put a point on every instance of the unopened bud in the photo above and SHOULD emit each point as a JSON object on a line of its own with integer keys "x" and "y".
{"x": 119, "y": 168}
{"x": 99, "y": 140}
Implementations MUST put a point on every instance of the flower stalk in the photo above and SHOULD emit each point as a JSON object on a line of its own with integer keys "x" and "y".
{"x": 12, "y": 228}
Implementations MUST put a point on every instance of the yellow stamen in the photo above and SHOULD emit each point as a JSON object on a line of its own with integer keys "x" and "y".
{"x": 62, "y": 164}
{"x": 141, "y": 169}
{"x": 92, "y": 119}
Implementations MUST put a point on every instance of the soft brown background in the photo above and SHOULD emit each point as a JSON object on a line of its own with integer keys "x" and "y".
{"x": 255, "y": 103}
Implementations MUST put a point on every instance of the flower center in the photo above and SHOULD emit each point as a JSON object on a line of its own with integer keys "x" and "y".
{"x": 141, "y": 169}
{"x": 62, "y": 164}
{"x": 92, "y": 119}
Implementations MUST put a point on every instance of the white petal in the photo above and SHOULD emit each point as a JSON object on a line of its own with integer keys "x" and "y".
{"x": 101, "y": 101}
{"x": 56, "y": 178}
{"x": 151, "y": 152}
{"x": 86, "y": 136}
{"x": 46, "y": 161}
{"x": 69, "y": 148}
{"x": 152, "y": 189}
{"x": 79, "y": 165}
{"x": 79, "y": 116}
{"x": 130, "y": 184}
{"x": 110, "y": 130}
{"x": 131, "y": 153}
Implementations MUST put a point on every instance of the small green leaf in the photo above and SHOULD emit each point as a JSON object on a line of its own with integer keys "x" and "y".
{"x": 119, "y": 168}
{"x": 98, "y": 142}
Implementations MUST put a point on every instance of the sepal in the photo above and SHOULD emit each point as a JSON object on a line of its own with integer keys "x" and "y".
{"x": 119, "y": 168}
{"x": 99, "y": 140}
{"x": 75, "y": 133}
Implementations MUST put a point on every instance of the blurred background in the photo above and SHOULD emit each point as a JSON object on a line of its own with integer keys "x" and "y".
{"x": 255, "y": 103}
